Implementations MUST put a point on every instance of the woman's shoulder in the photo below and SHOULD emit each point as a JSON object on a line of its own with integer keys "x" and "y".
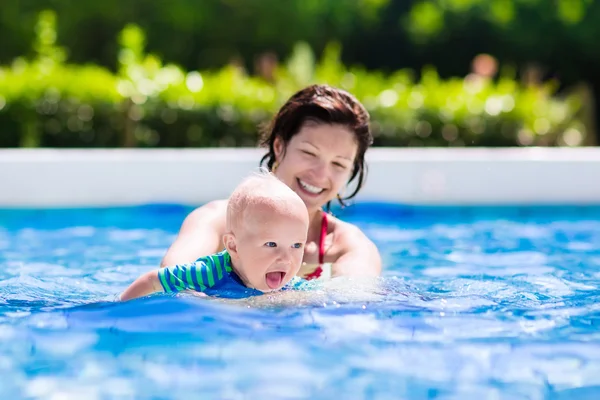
{"x": 212, "y": 208}
{"x": 338, "y": 225}
{"x": 211, "y": 212}
{"x": 220, "y": 204}
{"x": 346, "y": 233}
{"x": 355, "y": 252}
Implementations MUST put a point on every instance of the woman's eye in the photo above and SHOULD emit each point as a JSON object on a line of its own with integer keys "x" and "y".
{"x": 340, "y": 165}
{"x": 308, "y": 153}
{"x": 271, "y": 244}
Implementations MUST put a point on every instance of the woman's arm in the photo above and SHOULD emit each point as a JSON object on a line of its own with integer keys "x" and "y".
{"x": 200, "y": 234}
{"x": 358, "y": 254}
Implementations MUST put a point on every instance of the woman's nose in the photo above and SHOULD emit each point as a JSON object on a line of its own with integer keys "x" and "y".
{"x": 320, "y": 169}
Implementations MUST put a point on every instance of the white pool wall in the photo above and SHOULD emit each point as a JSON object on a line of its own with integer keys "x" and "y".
{"x": 419, "y": 176}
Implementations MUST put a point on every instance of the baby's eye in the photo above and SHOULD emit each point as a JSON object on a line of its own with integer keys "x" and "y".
{"x": 271, "y": 244}
{"x": 297, "y": 245}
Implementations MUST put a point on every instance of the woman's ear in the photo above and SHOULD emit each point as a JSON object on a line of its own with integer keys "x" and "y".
{"x": 230, "y": 244}
{"x": 278, "y": 148}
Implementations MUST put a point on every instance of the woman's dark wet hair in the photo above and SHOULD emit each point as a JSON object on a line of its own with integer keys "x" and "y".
{"x": 327, "y": 105}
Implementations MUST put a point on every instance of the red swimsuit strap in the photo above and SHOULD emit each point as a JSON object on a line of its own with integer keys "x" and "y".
{"x": 319, "y": 270}
{"x": 322, "y": 238}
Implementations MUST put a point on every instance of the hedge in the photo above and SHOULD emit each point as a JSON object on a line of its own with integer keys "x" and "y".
{"x": 45, "y": 101}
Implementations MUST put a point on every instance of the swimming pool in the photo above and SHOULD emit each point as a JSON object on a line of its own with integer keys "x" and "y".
{"x": 474, "y": 302}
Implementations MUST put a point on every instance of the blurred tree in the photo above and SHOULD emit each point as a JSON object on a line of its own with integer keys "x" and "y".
{"x": 550, "y": 39}
{"x": 546, "y": 39}
{"x": 194, "y": 34}
{"x": 379, "y": 34}
{"x": 45, "y": 101}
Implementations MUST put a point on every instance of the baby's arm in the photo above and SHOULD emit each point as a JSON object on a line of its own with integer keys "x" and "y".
{"x": 143, "y": 286}
{"x": 168, "y": 279}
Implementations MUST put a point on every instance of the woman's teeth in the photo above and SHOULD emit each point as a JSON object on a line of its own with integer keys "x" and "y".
{"x": 310, "y": 188}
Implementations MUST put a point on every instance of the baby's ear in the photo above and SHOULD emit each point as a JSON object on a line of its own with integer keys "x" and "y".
{"x": 230, "y": 244}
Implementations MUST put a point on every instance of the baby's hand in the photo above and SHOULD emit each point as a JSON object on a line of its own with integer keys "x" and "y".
{"x": 142, "y": 286}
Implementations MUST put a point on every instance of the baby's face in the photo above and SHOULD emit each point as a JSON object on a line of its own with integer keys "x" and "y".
{"x": 270, "y": 246}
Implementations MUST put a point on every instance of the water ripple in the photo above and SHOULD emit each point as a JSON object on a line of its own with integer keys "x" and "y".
{"x": 473, "y": 303}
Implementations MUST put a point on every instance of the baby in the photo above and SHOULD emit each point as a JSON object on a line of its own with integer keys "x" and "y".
{"x": 266, "y": 229}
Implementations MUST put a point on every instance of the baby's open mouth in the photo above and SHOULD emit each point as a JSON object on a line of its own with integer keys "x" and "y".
{"x": 274, "y": 279}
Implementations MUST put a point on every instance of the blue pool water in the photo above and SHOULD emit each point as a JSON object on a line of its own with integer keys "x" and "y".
{"x": 474, "y": 303}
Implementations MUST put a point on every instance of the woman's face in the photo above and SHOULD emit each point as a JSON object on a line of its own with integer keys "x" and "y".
{"x": 317, "y": 162}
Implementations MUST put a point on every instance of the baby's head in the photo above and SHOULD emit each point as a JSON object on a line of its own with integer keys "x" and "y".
{"x": 267, "y": 225}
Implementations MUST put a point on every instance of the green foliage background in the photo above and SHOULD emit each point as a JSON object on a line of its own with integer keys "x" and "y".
{"x": 158, "y": 73}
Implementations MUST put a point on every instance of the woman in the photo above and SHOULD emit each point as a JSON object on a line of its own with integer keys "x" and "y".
{"x": 316, "y": 145}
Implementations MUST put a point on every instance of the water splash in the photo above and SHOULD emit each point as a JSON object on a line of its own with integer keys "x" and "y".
{"x": 470, "y": 305}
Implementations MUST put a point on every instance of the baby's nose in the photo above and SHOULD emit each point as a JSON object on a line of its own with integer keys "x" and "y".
{"x": 285, "y": 257}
